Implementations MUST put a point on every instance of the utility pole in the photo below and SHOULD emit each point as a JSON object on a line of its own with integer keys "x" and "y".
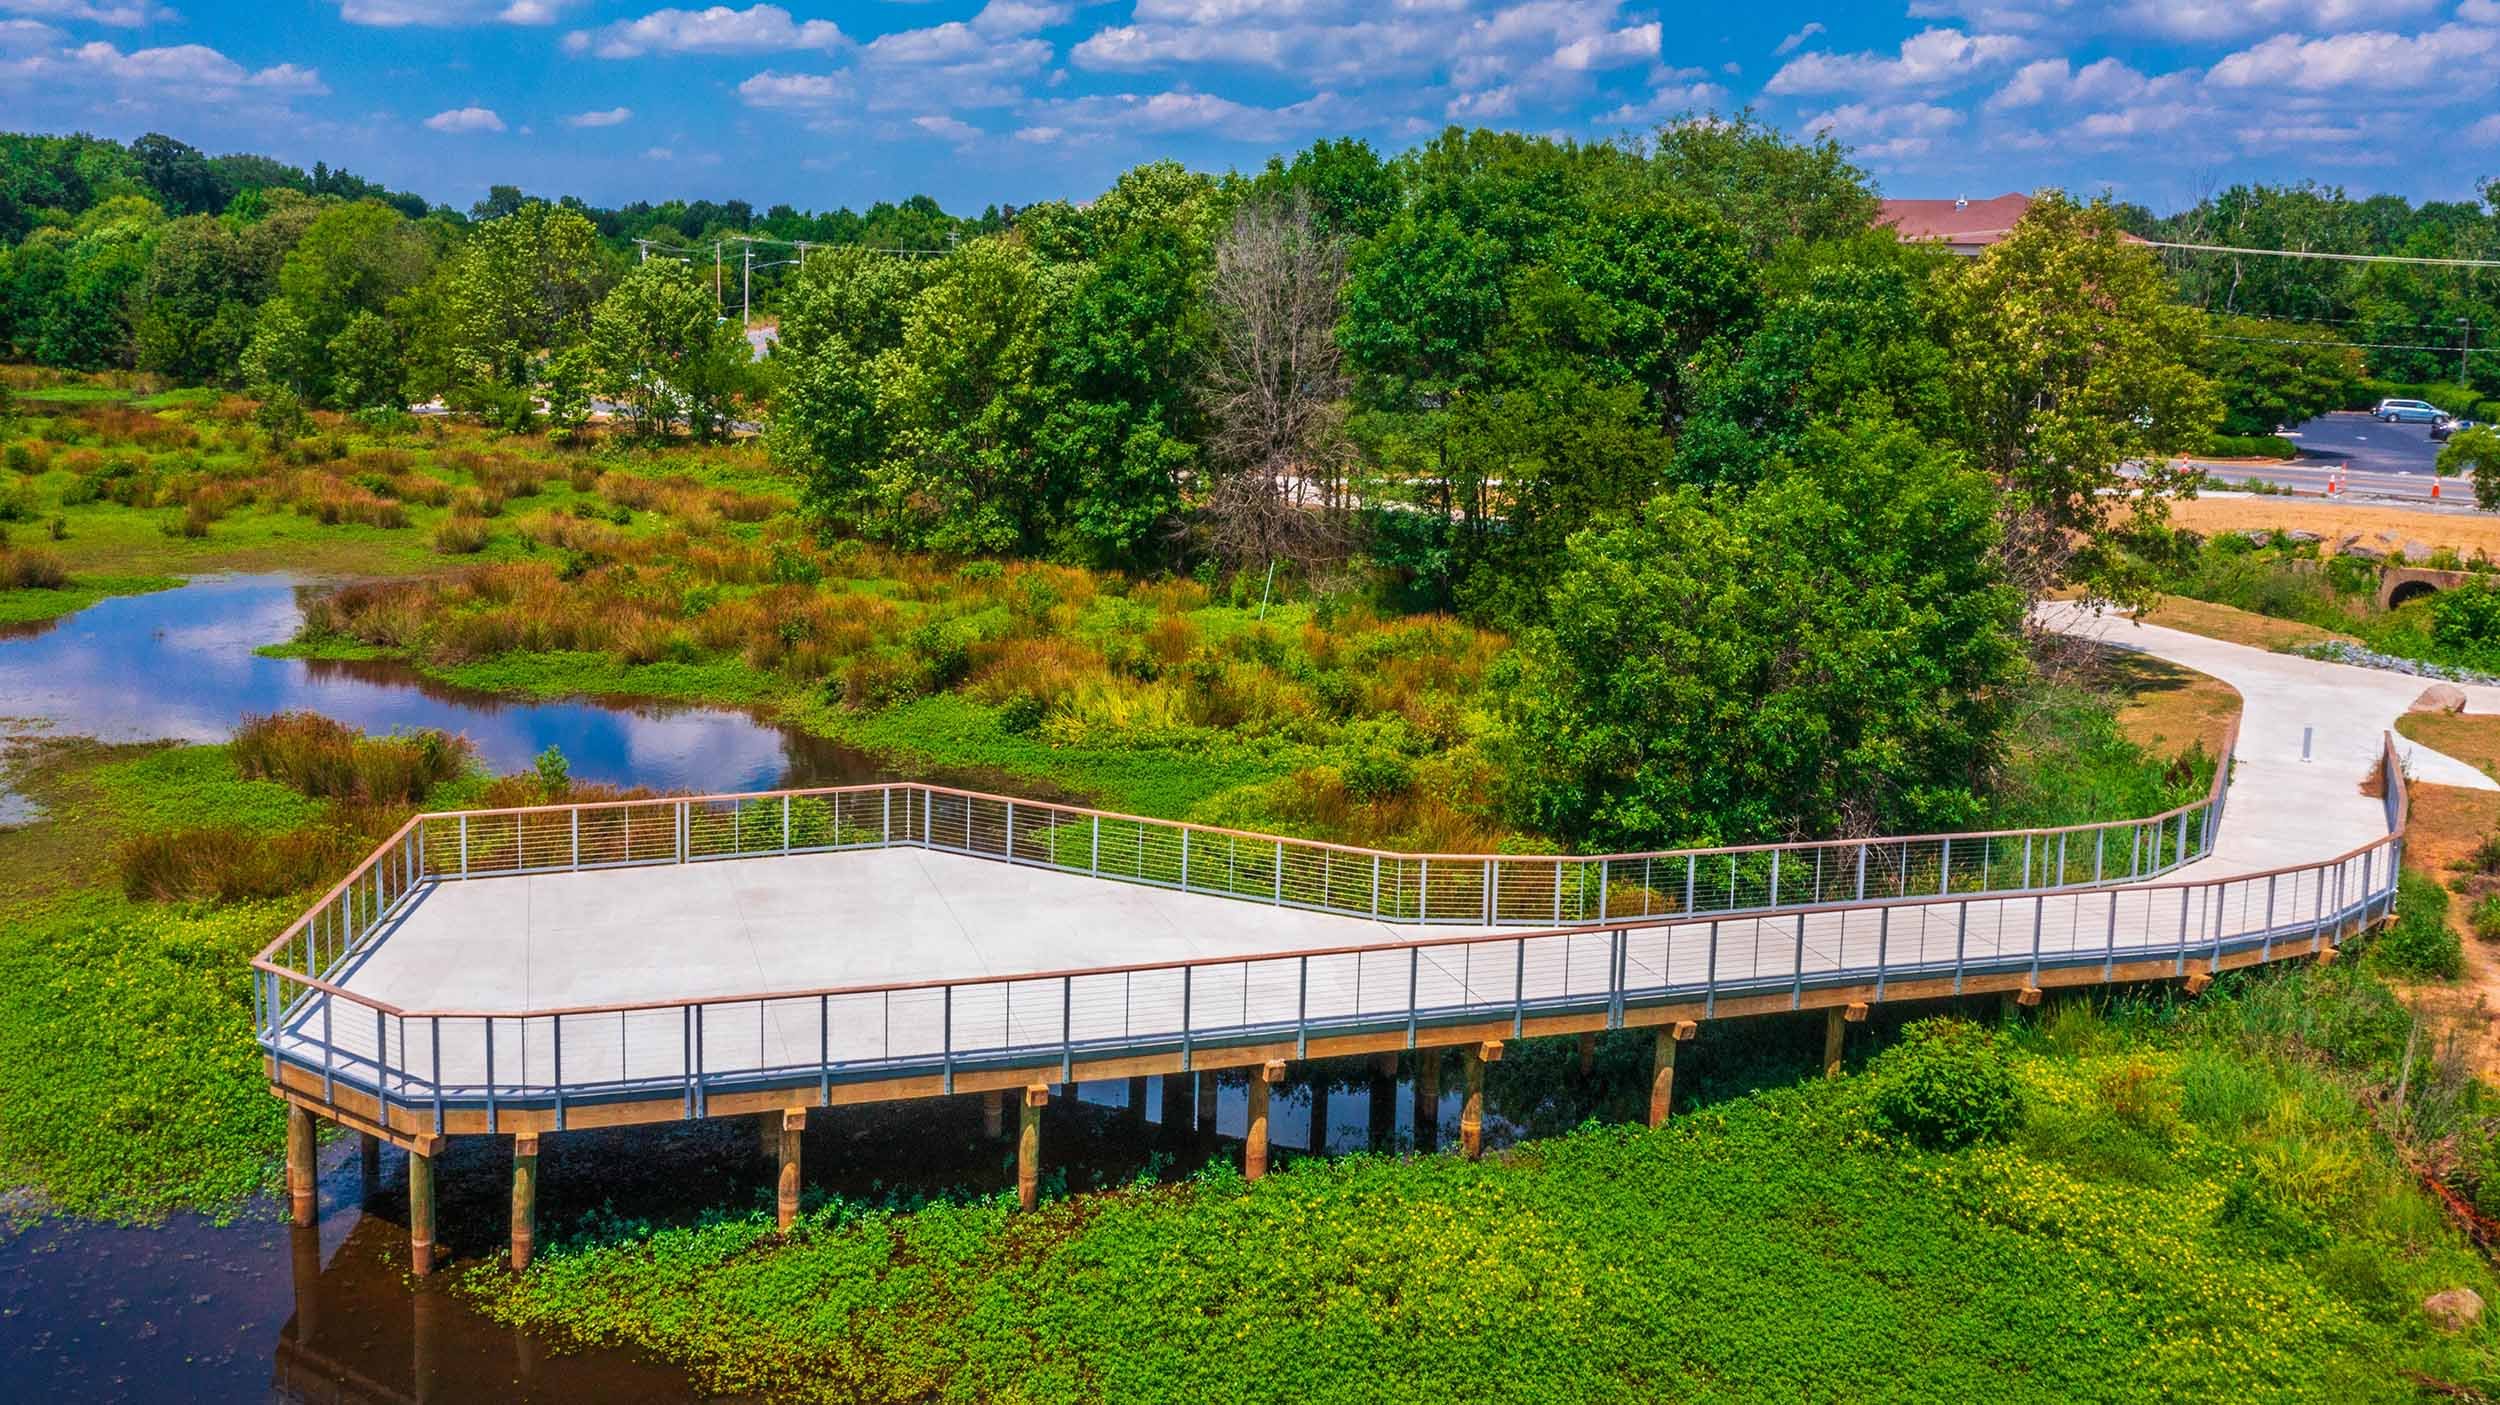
{"x": 716, "y": 297}
{"x": 746, "y": 287}
{"x": 2465, "y": 345}
{"x": 643, "y": 247}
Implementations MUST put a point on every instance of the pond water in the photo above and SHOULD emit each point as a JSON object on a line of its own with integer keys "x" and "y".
{"x": 195, "y": 1311}
{"x": 182, "y": 665}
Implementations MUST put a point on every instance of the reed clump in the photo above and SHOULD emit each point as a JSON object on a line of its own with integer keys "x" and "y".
{"x": 333, "y": 761}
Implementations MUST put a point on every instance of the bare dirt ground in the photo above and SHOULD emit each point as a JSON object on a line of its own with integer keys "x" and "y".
{"x": 2447, "y": 825}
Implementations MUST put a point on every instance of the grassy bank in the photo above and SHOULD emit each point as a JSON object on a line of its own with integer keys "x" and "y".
{"x": 2195, "y": 1201}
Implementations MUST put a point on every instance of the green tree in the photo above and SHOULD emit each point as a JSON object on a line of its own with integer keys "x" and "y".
{"x": 2475, "y": 451}
{"x": 520, "y": 285}
{"x": 1771, "y": 191}
{"x": 350, "y": 259}
{"x": 567, "y": 384}
{"x": 827, "y": 430}
{"x": 282, "y": 350}
{"x": 2274, "y": 375}
{"x": 2069, "y": 362}
{"x": 1833, "y": 653}
{"x": 1120, "y": 426}
{"x": 195, "y": 310}
{"x": 1850, "y": 338}
{"x": 663, "y": 350}
{"x": 366, "y": 368}
{"x": 964, "y": 396}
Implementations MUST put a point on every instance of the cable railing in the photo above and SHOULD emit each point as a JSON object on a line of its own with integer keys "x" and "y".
{"x": 1379, "y": 885}
{"x": 693, "y": 1049}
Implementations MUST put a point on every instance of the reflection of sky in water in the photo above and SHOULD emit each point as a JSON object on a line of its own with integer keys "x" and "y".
{"x": 179, "y": 664}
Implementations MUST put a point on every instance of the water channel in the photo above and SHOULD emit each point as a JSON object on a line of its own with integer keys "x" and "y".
{"x": 194, "y": 1310}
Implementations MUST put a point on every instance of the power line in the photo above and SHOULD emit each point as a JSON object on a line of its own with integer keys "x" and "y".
{"x": 2322, "y": 254}
{"x": 2353, "y": 345}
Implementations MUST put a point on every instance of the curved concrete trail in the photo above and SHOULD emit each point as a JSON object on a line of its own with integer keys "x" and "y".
{"x": 2284, "y": 810}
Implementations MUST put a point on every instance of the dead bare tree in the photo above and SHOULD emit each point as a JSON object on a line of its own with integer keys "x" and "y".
{"x": 1274, "y": 390}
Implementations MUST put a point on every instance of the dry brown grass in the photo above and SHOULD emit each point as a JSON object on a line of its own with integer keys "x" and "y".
{"x": 2449, "y": 823}
{"x": 2234, "y": 626}
{"x": 2167, "y": 709}
{"x": 2466, "y": 533}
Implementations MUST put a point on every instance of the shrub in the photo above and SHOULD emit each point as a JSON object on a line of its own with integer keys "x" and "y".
{"x": 462, "y": 536}
{"x": 1946, "y": 1084}
{"x": 228, "y": 863}
{"x": 2485, "y": 917}
{"x": 2251, "y": 446}
{"x": 19, "y": 504}
{"x": 32, "y": 570}
{"x": 2420, "y": 943}
{"x": 2264, "y": 1223}
{"x": 332, "y": 760}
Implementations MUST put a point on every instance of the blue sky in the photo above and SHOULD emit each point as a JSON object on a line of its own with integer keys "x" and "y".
{"x": 1018, "y": 100}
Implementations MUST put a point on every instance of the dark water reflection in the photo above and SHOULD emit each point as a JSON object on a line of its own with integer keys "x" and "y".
{"x": 180, "y": 665}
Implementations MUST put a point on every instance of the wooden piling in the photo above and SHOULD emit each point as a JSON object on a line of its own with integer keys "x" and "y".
{"x": 1662, "y": 1069}
{"x": 524, "y": 1198}
{"x": 786, "y": 1190}
{"x": 369, "y": 1163}
{"x": 1206, "y": 1102}
{"x": 994, "y": 1114}
{"x": 1137, "y": 1101}
{"x": 1263, "y": 1081}
{"x": 303, "y": 1183}
{"x": 1588, "y": 1054}
{"x": 1427, "y": 1100}
{"x": 1176, "y": 1117}
{"x": 1471, "y": 1113}
{"x": 1029, "y": 1144}
{"x": 1317, "y": 1139}
{"x": 421, "y": 1210}
{"x": 768, "y": 1136}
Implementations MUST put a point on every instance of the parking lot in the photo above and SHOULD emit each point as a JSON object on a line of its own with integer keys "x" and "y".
{"x": 2350, "y": 439}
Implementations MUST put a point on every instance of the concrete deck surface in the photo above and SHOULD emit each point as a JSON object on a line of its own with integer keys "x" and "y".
{"x": 774, "y": 928}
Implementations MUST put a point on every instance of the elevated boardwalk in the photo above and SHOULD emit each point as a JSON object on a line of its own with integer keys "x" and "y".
{"x": 528, "y": 972}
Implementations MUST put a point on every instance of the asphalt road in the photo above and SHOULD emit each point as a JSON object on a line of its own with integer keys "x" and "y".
{"x": 2350, "y": 439}
{"x": 2366, "y": 458}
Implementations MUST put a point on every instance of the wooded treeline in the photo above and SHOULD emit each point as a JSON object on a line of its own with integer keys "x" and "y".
{"x": 1762, "y": 492}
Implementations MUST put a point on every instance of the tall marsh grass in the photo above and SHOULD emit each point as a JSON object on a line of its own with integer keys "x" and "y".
{"x": 333, "y": 761}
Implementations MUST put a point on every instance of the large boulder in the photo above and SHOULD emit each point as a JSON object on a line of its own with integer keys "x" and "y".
{"x": 2358, "y": 552}
{"x": 2454, "y": 1310}
{"x": 2440, "y": 697}
{"x": 2417, "y": 552}
{"x": 2304, "y": 538}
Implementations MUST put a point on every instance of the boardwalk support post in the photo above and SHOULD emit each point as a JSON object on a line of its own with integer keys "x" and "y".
{"x": 1588, "y": 1054}
{"x": 1137, "y": 1101}
{"x": 1471, "y": 1113}
{"x": 1029, "y": 1144}
{"x": 1263, "y": 1081}
{"x": 1176, "y": 1115}
{"x": 524, "y": 1197}
{"x": 421, "y": 1206}
{"x": 994, "y": 1114}
{"x": 369, "y": 1162}
{"x": 1662, "y": 1068}
{"x": 786, "y": 1190}
{"x": 1206, "y": 1102}
{"x": 1427, "y": 1100}
{"x": 1836, "y": 1022}
{"x": 303, "y": 1186}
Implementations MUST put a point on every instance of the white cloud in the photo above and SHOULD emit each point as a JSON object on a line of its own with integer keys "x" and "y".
{"x": 609, "y": 117}
{"x": 2192, "y": 20}
{"x": 2479, "y": 11}
{"x": 26, "y": 36}
{"x": 953, "y": 129}
{"x": 2052, "y": 81}
{"x": 1040, "y": 135}
{"x": 1879, "y": 132}
{"x": 1191, "y": 112}
{"x": 759, "y": 29}
{"x": 116, "y": 16}
{"x": 1494, "y": 61}
{"x": 1666, "y": 103}
{"x": 1931, "y": 60}
{"x": 193, "y": 71}
{"x": 1021, "y": 16}
{"x": 446, "y": 14}
{"x": 465, "y": 119}
{"x": 795, "y": 92}
{"x": 658, "y": 153}
{"x": 2373, "y": 60}
{"x": 1789, "y": 44}
{"x": 2486, "y": 132}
